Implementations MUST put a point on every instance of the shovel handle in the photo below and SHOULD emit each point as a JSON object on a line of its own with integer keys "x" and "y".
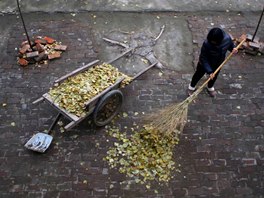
{"x": 224, "y": 62}
{"x": 54, "y": 122}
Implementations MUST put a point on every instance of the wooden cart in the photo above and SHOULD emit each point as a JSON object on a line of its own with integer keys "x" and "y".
{"x": 95, "y": 105}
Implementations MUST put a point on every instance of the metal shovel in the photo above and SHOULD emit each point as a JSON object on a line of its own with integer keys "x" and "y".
{"x": 41, "y": 141}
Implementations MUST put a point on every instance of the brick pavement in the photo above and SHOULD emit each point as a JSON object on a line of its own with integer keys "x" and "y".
{"x": 221, "y": 150}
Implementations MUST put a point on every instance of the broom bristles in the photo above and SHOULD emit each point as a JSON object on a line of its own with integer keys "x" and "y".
{"x": 170, "y": 121}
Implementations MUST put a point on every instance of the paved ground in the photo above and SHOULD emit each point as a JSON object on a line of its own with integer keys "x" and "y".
{"x": 131, "y": 5}
{"x": 221, "y": 150}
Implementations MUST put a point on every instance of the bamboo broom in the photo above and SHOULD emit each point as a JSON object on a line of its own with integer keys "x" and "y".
{"x": 171, "y": 120}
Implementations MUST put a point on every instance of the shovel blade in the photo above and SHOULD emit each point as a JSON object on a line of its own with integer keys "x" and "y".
{"x": 40, "y": 142}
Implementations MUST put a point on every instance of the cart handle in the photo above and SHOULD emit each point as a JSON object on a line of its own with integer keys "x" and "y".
{"x": 121, "y": 55}
{"x": 145, "y": 70}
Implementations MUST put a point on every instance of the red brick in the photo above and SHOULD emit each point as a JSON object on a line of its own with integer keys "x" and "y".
{"x": 54, "y": 55}
{"x": 49, "y": 40}
{"x": 24, "y": 48}
{"x": 39, "y": 47}
{"x": 60, "y": 47}
{"x": 32, "y": 54}
{"x": 41, "y": 41}
{"x": 23, "y": 62}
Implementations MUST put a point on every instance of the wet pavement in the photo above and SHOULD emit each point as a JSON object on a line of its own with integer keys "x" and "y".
{"x": 221, "y": 150}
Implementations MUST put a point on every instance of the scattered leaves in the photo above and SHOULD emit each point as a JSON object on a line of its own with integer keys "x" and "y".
{"x": 60, "y": 123}
{"x": 144, "y": 60}
{"x": 62, "y": 130}
{"x": 125, "y": 115}
{"x": 145, "y": 156}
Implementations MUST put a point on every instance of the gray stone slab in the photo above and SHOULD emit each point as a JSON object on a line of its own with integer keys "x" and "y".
{"x": 131, "y": 5}
{"x": 173, "y": 48}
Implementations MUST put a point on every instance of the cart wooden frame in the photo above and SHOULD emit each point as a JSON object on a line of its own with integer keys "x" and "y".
{"x": 93, "y": 103}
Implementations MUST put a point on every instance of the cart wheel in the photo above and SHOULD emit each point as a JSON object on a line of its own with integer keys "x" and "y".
{"x": 108, "y": 107}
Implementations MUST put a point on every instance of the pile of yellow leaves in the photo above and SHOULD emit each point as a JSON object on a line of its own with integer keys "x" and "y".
{"x": 74, "y": 92}
{"x": 144, "y": 156}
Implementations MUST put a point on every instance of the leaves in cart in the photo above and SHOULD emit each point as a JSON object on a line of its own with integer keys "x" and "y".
{"x": 75, "y": 91}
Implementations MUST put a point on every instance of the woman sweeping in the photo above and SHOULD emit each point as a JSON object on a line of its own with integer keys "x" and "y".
{"x": 212, "y": 54}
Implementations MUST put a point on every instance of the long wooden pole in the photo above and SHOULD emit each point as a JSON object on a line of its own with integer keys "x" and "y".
{"x": 258, "y": 24}
{"x": 20, "y": 13}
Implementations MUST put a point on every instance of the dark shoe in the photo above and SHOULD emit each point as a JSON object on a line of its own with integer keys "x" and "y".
{"x": 190, "y": 92}
{"x": 212, "y": 93}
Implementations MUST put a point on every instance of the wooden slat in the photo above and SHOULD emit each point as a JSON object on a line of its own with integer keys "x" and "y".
{"x": 121, "y": 55}
{"x": 105, "y": 91}
{"x": 74, "y": 123}
{"x": 77, "y": 71}
{"x": 145, "y": 70}
{"x": 70, "y": 125}
{"x": 63, "y": 111}
{"x": 38, "y": 100}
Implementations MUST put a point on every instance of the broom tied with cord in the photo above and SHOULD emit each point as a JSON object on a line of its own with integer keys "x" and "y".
{"x": 171, "y": 120}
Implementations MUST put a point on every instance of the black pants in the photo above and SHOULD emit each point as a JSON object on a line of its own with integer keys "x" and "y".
{"x": 199, "y": 73}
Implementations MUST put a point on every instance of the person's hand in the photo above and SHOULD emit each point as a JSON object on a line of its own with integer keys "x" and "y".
{"x": 235, "y": 50}
{"x": 212, "y": 76}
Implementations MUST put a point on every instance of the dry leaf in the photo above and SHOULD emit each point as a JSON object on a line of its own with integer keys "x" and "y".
{"x": 144, "y": 60}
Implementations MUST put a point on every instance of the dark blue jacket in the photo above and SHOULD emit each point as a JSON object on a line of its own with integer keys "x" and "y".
{"x": 212, "y": 56}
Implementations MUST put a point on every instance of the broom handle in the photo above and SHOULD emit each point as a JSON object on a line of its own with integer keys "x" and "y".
{"x": 224, "y": 62}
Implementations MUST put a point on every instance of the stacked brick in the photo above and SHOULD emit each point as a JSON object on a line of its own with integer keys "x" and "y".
{"x": 252, "y": 47}
{"x": 41, "y": 50}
